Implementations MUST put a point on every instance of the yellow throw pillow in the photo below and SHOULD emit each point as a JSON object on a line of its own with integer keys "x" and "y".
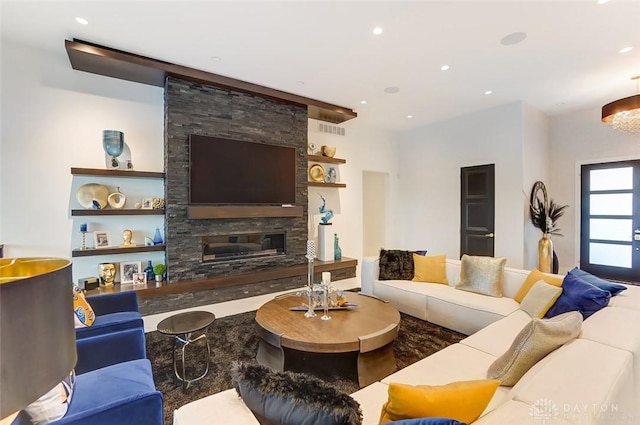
{"x": 84, "y": 314}
{"x": 463, "y": 401}
{"x": 430, "y": 268}
{"x": 540, "y": 298}
{"x": 533, "y": 277}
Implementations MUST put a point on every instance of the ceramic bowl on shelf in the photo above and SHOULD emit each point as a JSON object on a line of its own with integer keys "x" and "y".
{"x": 329, "y": 151}
{"x": 93, "y": 196}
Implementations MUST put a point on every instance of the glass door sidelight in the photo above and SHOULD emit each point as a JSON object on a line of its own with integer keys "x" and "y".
{"x": 610, "y": 220}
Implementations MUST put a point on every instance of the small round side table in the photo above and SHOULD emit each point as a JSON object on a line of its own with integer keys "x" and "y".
{"x": 182, "y": 326}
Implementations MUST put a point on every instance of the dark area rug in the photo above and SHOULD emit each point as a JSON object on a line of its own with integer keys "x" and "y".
{"x": 234, "y": 338}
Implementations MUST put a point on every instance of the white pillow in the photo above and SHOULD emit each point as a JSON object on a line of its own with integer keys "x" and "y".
{"x": 540, "y": 298}
{"x": 54, "y": 404}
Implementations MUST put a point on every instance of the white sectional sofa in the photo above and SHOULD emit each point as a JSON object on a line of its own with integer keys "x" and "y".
{"x": 594, "y": 379}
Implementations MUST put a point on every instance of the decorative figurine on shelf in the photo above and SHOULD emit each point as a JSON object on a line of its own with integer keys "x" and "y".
{"x": 107, "y": 273}
{"x": 328, "y": 214}
{"x": 83, "y": 229}
{"x": 117, "y": 199}
{"x": 113, "y": 144}
{"x": 337, "y": 251}
{"x": 126, "y": 236}
{"x": 331, "y": 175}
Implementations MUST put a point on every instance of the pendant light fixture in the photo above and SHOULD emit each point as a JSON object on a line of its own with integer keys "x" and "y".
{"x": 624, "y": 114}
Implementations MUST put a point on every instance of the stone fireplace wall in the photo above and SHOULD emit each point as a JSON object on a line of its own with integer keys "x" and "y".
{"x": 192, "y": 108}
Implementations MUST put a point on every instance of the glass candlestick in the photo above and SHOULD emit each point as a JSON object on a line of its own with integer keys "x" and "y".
{"x": 310, "y": 257}
{"x": 325, "y": 303}
{"x": 83, "y": 229}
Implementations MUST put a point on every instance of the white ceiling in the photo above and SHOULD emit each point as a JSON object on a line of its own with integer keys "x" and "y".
{"x": 326, "y": 50}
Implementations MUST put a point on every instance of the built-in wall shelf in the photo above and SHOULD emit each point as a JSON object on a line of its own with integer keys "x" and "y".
{"x": 151, "y": 289}
{"x": 326, "y": 159}
{"x": 115, "y": 250}
{"x": 123, "y": 211}
{"x": 196, "y": 212}
{"x": 97, "y": 59}
{"x": 115, "y": 173}
{"x": 325, "y": 184}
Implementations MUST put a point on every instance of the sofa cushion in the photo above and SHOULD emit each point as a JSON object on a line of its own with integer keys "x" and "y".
{"x": 430, "y": 269}
{"x": 613, "y": 288}
{"x": 463, "y": 401}
{"x": 578, "y": 295}
{"x": 115, "y": 322}
{"x": 627, "y": 299}
{"x": 534, "y": 342}
{"x": 482, "y": 275}
{"x": 396, "y": 264}
{"x": 288, "y": 398}
{"x": 227, "y": 405}
{"x": 540, "y": 299}
{"x": 496, "y": 338}
{"x": 534, "y": 276}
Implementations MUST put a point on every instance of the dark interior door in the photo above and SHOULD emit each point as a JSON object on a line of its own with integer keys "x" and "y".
{"x": 477, "y": 210}
{"x": 610, "y": 220}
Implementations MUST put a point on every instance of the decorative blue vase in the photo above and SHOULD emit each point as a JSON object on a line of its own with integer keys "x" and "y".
{"x": 157, "y": 238}
{"x": 149, "y": 271}
{"x": 337, "y": 251}
{"x": 113, "y": 145}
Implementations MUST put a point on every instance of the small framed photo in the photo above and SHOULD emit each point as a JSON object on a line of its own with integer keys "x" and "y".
{"x": 147, "y": 203}
{"x": 101, "y": 240}
{"x": 128, "y": 270}
{"x": 139, "y": 278}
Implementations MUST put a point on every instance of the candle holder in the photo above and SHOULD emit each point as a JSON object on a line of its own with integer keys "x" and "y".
{"x": 310, "y": 301}
{"x": 325, "y": 302}
{"x": 83, "y": 229}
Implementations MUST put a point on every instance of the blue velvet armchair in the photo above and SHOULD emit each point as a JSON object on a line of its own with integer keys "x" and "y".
{"x": 114, "y": 312}
{"x": 122, "y": 394}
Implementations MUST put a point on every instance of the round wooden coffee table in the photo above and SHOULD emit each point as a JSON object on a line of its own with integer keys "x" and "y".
{"x": 368, "y": 329}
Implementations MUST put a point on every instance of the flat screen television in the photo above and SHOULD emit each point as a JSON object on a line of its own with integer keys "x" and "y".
{"x": 232, "y": 172}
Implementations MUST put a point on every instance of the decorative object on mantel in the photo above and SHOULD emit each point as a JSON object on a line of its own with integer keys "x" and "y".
{"x": 107, "y": 273}
{"x": 329, "y": 151}
{"x": 113, "y": 144}
{"x": 158, "y": 203}
{"x": 117, "y": 199}
{"x": 157, "y": 238}
{"x": 337, "y": 251}
{"x": 624, "y": 114}
{"x": 325, "y": 242}
{"x": 93, "y": 196}
{"x": 544, "y": 215}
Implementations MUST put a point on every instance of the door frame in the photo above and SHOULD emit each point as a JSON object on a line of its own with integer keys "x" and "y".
{"x": 577, "y": 193}
{"x": 492, "y": 211}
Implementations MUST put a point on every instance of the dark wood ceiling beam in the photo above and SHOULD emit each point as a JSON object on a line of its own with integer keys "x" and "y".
{"x": 89, "y": 57}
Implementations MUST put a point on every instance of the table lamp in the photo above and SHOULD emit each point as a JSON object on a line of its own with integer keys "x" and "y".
{"x": 37, "y": 334}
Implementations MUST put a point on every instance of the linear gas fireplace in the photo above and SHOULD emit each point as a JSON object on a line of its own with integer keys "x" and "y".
{"x": 242, "y": 246}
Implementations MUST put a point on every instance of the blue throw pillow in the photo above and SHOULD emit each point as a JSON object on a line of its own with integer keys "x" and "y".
{"x": 613, "y": 288}
{"x": 427, "y": 421}
{"x": 578, "y": 295}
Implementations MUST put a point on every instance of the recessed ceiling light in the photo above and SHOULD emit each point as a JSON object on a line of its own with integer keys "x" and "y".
{"x": 444, "y": 67}
{"x": 392, "y": 90}
{"x": 363, "y": 102}
{"x": 377, "y": 31}
{"x": 409, "y": 116}
{"x": 488, "y": 92}
{"x": 603, "y": 1}
{"x": 81, "y": 20}
{"x": 300, "y": 83}
{"x": 216, "y": 58}
{"x": 513, "y": 38}
{"x": 625, "y": 49}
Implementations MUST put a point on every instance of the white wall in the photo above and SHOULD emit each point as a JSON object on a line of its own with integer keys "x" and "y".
{"x": 429, "y": 180}
{"x": 52, "y": 120}
{"x": 535, "y": 166}
{"x": 578, "y": 138}
{"x": 364, "y": 148}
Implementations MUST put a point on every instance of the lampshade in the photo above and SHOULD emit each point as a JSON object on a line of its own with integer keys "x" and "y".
{"x": 37, "y": 335}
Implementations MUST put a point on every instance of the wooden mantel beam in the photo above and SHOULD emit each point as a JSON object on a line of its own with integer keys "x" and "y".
{"x": 89, "y": 57}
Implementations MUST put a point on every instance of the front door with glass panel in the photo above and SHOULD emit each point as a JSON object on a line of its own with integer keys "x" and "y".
{"x": 610, "y": 220}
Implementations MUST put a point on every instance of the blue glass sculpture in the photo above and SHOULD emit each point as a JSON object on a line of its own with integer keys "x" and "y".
{"x": 113, "y": 144}
{"x": 328, "y": 214}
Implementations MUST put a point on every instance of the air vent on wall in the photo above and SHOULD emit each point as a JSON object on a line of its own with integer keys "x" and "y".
{"x": 331, "y": 129}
